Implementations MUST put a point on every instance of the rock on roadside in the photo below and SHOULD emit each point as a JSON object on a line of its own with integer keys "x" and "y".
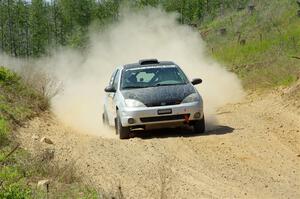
{"x": 46, "y": 140}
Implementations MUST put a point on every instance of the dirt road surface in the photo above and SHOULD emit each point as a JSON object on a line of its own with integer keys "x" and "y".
{"x": 254, "y": 153}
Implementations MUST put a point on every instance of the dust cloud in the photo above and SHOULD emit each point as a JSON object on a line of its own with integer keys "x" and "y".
{"x": 150, "y": 33}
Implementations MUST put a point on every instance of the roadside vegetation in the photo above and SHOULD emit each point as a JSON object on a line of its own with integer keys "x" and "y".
{"x": 261, "y": 46}
{"x": 19, "y": 170}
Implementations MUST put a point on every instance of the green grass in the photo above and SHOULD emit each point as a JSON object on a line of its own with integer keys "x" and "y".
{"x": 272, "y": 37}
{"x": 3, "y": 131}
{"x": 18, "y": 102}
{"x": 16, "y": 191}
{"x": 20, "y": 172}
{"x": 12, "y": 174}
{"x": 15, "y": 108}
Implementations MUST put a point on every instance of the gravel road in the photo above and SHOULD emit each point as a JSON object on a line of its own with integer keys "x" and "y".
{"x": 253, "y": 153}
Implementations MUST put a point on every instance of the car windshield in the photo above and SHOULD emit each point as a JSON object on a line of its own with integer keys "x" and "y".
{"x": 153, "y": 76}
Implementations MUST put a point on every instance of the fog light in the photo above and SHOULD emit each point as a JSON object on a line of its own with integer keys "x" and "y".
{"x": 131, "y": 121}
{"x": 197, "y": 115}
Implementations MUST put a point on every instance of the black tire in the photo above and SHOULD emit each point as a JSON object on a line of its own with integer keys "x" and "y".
{"x": 122, "y": 131}
{"x": 199, "y": 126}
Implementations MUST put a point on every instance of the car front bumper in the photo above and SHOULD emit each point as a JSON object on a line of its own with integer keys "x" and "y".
{"x": 147, "y": 116}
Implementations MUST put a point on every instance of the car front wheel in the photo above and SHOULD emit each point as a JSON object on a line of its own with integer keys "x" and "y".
{"x": 123, "y": 132}
{"x": 199, "y": 126}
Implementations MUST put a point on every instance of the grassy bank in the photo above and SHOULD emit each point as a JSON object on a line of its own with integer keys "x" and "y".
{"x": 258, "y": 46}
{"x": 19, "y": 170}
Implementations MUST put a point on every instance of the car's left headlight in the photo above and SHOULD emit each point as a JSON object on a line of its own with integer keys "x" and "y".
{"x": 194, "y": 97}
{"x": 133, "y": 103}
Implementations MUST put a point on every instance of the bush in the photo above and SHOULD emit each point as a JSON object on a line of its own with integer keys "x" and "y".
{"x": 18, "y": 100}
{"x": 42, "y": 82}
{"x": 15, "y": 191}
{"x": 12, "y": 184}
{"x": 8, "y": 77}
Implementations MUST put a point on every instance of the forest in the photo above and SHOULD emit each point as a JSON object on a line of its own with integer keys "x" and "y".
{"x": 31, "y": 28}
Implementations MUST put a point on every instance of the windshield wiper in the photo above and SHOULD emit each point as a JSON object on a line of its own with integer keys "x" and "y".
{"x": 129, "y": 87}
{"x": 159, "y": 84}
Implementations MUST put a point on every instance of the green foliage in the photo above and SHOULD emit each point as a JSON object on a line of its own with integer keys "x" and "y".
{"x": 9, "y": 174}
{"x": 15, "y": 191}
{"x": 12, "y": 111}
{"x": 20, "y": 172}
{"x": 38, "y": 24}
{"x": 18, "y": 102}
{"x": 271, "y": 36}
{"x": 12, "y": 175}
{"x": 28, "y": 28}
{"x": 7, "y": 77}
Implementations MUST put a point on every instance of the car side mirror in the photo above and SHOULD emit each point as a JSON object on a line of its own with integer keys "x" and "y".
{"x": 196, "y": 81}
{"x": 110, "y": 89}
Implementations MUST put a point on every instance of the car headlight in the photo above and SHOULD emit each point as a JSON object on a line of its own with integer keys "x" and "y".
{"x": 133, "y": 103}
{"x": 191, "y": 98}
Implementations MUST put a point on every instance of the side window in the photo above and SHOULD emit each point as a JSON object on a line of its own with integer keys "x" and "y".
{"x": 116, "y": 79}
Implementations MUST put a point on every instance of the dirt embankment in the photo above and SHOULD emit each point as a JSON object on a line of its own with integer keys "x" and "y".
{"x": 254, "y": 153}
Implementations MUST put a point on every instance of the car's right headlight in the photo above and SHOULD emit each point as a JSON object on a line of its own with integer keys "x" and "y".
{"x": 133, "y": 103}
{"x": 194, "y": 97}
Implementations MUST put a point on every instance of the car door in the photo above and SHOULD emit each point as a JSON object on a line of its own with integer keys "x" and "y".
{"x": 112, "y": 96}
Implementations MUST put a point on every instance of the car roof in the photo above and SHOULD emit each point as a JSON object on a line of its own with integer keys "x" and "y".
{"x": 147, "y": 63}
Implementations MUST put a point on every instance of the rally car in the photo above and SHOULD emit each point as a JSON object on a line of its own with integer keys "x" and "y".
{"x": 152, "y": 94}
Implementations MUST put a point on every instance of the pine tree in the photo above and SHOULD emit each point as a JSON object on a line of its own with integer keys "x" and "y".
{"x": 29, "y": 27}
{"x": 38, "y": 27}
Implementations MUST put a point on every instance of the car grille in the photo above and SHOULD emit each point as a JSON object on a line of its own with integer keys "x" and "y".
{"x": 163, "y": 118}
{"x": 168, "y": 103}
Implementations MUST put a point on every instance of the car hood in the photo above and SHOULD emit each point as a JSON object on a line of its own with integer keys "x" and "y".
{"x": 160, "y": 95}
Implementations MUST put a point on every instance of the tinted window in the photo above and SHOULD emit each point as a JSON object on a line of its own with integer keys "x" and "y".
{"x": 152, "y": 76}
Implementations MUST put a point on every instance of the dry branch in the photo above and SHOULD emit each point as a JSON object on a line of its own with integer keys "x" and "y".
{"x": 11, "y": 152}
{"x": 295, "y": 57}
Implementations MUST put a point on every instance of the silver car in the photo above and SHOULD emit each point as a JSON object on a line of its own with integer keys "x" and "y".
{"x": 152, "y": 94}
